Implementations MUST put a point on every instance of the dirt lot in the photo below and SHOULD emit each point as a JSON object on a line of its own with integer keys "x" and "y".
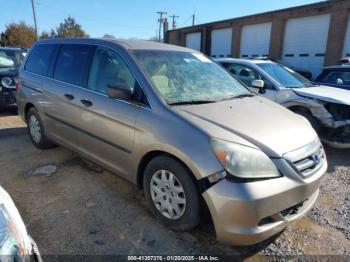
{"x": 80, "y": 211}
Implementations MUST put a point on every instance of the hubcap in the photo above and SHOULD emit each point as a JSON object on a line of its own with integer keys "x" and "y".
{"x": 34, "y": 128}
{"x": 168, "y": 194}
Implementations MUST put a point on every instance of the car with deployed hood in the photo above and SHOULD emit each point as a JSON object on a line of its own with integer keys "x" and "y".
{"x": 327, "y": 108}
{"x": 10, "y": 61}
{"x": 180, "y": 127}
{"x": 15, "y": 242}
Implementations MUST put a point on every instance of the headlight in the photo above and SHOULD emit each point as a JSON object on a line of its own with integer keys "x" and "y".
{"x": 242, "y": 161}
{"x": 6, "y": 81}
{"x": 12, "y": 242}
{"x": 14, "y": 239}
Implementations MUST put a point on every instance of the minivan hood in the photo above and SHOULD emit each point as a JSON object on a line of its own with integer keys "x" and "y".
{"x": 325, "y": 93}
{"x": 259, "y": 121}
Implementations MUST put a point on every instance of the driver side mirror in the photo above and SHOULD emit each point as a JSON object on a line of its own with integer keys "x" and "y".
{"x": 119, "y": 91}
{"x": 260, "y": 84}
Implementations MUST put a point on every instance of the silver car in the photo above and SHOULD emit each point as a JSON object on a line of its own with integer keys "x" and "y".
{"x": 327, "y": 108}
{"x": 179, "y": 126}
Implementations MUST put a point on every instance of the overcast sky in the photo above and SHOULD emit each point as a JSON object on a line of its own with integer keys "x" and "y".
{"x": 132, "y": 18}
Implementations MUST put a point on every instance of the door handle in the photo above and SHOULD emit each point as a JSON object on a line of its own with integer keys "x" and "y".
{"x": 86, "y": 102}
{"x": 69, "y": 96}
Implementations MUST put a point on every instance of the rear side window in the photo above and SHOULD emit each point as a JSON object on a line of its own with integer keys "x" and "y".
{"x": 71, "y": 63}
{"x": 39, "y": 59}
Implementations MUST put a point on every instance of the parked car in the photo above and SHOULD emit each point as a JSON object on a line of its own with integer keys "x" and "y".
{"x": 178, "y": 125}
{"x": 327, "y": 108}
{"x": 15, "y": 243}
{"x": 304, "y": 72}
{"x": 10, "y": 61}
{"x": 336, "y": 76}
{"x": 344, "y": 61}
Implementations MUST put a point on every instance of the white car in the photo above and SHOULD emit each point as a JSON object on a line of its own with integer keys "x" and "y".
{"x": 327, "y": 108}
{"x": 15, "y": 243}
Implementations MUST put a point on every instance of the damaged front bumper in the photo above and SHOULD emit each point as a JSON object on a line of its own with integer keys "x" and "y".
{"x": 335, "y": 124}
{"x": 338, "y": 137}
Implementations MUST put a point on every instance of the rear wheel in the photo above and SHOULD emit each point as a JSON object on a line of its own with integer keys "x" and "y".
{"x": 171, "y": 194}
{"x": 36, "y": 130}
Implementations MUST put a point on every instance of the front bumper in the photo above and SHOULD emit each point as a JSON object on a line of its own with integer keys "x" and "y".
{"x": 248, "y": 213}
{"x": 7, "y": 97}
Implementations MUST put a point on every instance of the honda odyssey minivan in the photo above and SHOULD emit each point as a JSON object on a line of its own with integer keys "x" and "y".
{"x": 180, "y": 127}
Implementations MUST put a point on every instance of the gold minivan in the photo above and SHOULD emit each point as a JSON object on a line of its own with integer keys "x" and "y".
{"x": 179, "y": 126}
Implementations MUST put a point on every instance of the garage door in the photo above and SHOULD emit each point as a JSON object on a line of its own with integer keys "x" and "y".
{"x": 346, "y": 51}
{"x": 305, "y": 43}
{"x": 193, "y": 40}
{"x": 255, "y": 40}
{"x": 221, "y": 40}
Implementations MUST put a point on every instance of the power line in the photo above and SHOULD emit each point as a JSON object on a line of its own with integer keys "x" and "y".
{"x": 160, "y": 20}
{"x": 187, "y": 20}
{"x": 87, "y": 18}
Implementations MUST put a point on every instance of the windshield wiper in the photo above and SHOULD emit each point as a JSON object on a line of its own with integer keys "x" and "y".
{"x": 236, "y": 96}
{"x": 192, "y": 102}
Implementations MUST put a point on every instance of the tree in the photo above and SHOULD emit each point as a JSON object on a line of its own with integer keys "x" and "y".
{"x": 18, "y": 35}
{"x": 44, "y": 35}
{"x": 69, "y": 28}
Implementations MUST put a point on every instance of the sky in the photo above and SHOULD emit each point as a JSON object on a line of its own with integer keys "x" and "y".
{"x": 132, "y": 18}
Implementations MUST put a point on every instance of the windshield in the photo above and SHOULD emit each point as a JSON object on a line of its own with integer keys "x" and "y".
{"x": 285, "y": 76}
{"x": 183, "y": 77}
{"x": 11, "y": 58}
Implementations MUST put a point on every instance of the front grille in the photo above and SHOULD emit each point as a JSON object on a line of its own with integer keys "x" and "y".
{"x": 307, "y": 160}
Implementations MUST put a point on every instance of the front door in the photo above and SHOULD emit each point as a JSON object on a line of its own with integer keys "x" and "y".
{"x": 107, "y": 125}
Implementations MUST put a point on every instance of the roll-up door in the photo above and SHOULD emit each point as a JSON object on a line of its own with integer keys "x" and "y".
{"x": 255, "y": 40}
{"x": 221, "y": 40}
{"x": 193, "y": 40}
{"x": 346, "y": 51}
{"x": 305, "y": 43}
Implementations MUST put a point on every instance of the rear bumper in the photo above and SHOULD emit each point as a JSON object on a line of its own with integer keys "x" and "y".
{"x": 7, "y": 98}
{"x": 248, "y": 213}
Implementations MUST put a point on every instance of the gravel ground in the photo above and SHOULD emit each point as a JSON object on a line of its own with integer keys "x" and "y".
{"x": 81, "y": 210}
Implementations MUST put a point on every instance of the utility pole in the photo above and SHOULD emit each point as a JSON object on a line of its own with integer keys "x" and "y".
{"x": 34, "y": 17}
{"x": 160, "y": 20}
{"x": 174, "y": 21}
{"x": 193, "y": 19}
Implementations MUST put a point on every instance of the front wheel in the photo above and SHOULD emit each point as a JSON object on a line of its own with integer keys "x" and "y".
{"x": 171, "y": 193}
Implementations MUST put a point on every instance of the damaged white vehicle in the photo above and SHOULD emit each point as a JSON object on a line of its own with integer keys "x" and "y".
{"x": 327, "y": 108}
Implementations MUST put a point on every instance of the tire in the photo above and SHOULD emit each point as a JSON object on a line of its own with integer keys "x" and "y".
{"x": 187, "y": 214}
{"x": 36, "y": 130}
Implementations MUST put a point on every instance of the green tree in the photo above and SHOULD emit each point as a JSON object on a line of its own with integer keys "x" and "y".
{"x": 44, "y": 35}
{"x": 18, "y": 35}
{"x": 109, "y": 36}
{"x": 69, "y": 28}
